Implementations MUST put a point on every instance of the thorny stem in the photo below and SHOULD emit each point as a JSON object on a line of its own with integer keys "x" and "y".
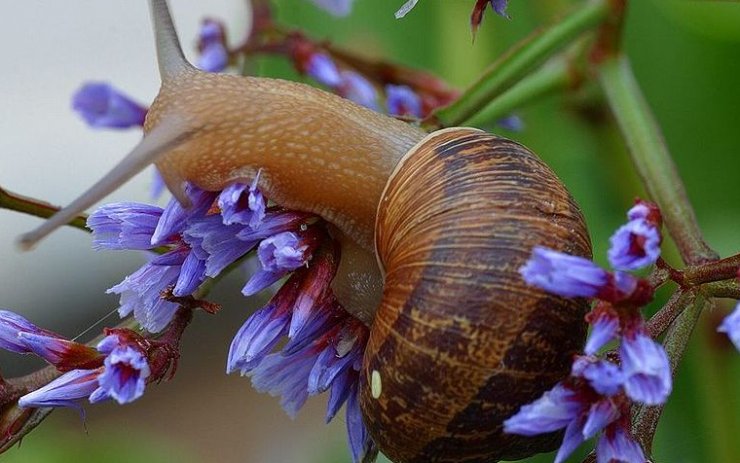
{"x": 518, "y": 62}
{"x": 34, "y": 207}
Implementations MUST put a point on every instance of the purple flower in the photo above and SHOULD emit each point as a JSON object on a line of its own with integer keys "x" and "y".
{"x": 60, "y": 352}
{"x": 175, "y": 217}
{"x": 335, "y": 7}
{"x": 554, "y": 410}
{"x": 11, "y": 325}
{"x": 322, "y": 69}
{"x": 634, "y": 245}
{"x": 124, "y": 376}
{"x": 141, "y": 293}
{"x": 278, "y": 255}
{"x": 616, "y": 445}
{"x": 263, "y": 330}
{"x": 157, "y": 186}
{"x": 341, "y": 354}
{"x": 358, "y": 89}
{"x": 639, "y": 211}
{"x": 604, "y": 377}
{"x": 647, "y": 373}
{"x": 731, "y": 326}
{"x": 499, "y": 6}
{"x": 64, "y": 391}
{"x": 360, "y": 443}
{"x": 238, "y": 208}
{"x": 214, "y": 57}
{"x": 285, "y": 376}
{"x": 512, "y": 122}
{"x": 103, "y": 106}
{"x": 402, "y": 101}
{"x": 563, "y": 274}
{"x": 604, "y": 329}
{"x": 601, "y": 414}
{"x": 405, "y": 8}
{"x": 124, "y": 226}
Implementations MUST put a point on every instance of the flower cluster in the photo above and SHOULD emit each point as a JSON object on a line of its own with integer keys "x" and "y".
{"x": 598, "y": 394}
{"x": 119, "y": 368}
{"x": 324, "y": 343}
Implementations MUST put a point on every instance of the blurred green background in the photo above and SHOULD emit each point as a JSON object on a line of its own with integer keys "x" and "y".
{"x": 686, "y": 56}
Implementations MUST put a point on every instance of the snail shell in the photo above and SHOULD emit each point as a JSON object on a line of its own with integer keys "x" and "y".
{"x": 460, "y": 341}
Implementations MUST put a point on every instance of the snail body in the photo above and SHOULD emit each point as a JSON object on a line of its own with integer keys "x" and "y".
{"x": 433, "y": 229}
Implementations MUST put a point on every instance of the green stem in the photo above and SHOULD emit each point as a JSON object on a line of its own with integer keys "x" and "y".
{"x": 518, "y": 62}
{"x": 36, "y": 208}
{"x": 676, "y": 340}
{"x": 652, "y": 159}
{"x": 553, "y": 78}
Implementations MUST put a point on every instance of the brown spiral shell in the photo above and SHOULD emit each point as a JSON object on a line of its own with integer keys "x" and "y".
{"x": 460, "y": 341}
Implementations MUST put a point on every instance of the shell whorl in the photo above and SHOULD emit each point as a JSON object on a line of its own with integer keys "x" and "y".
{"x": 460, "y": 341}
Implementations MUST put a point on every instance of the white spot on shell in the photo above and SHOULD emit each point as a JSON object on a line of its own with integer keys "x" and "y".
{"x": 376, "y": 385}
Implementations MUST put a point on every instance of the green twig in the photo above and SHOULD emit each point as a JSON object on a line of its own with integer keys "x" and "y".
{"x": 518, "y": 62}
{"x": 652, "y": 159}
{"x": 36, "y": 208}
{"x": 552, "y": 78}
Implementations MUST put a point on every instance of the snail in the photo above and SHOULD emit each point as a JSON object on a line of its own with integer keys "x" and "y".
{"x": 433, "y": 229}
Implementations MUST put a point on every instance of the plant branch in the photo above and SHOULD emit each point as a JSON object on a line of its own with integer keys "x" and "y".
{"x": 662, "y": 319}
{"x": 558, "y": 75}
{"x": 676, "y": 340}
{"x": 652, "y": 159}
{"x": 723, "y": 269}
{"x": 518, "y": 62}
{"x": 36, "y": 208}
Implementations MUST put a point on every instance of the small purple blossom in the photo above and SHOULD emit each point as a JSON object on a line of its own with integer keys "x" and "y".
{"x": 512, "y": 123}
{"x": 604, "y": 329}
{"x": 335, "y": 7}
{"x": 554, "y": 410}
{"x": 62, "y": 353}
{"x": 402, "y": 101}
{"x": 101, "y": 105}
{"x": 499, "y": 6}
{"x": 11, "y": 325}
{"x": 616, "y": 445}
{"x": 64, "y": 391}
{"x": 647, "y": 373}
{"x": 124, "y": 226}
{"x": 604, "y": 377}
{"x": 141, "y": 294}
{"x": 356, "y": 88}
{"x": 278, "y": 255}
{"x": 240, "y": 208}
{"x": 175, "y": 217}
{"x": 601, "y": 414}
{"x": 634, "y": 245}
{"x": 563, "y": 274}
{"x": 360, "y": 443}
{"x": 323, "y": 70}
{"x": 124, "y": 376}
{"x": 731, "y": 326}
{"x": 214, "y": 56}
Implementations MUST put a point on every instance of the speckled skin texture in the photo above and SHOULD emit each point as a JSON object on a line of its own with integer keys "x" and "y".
{"x": 318, "y": 152}
{"x": 460, "y": 341}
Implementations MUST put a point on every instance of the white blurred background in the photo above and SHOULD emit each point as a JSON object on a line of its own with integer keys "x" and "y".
{"x": 48, "y": 49}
